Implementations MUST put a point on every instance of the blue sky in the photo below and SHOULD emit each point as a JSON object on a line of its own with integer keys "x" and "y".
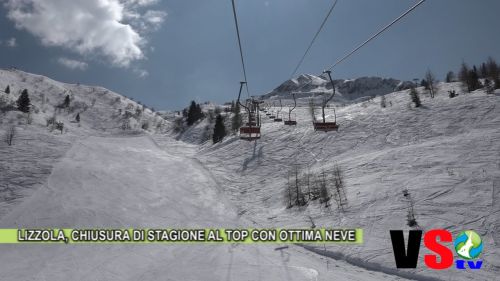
{"x": 166, "y": 53}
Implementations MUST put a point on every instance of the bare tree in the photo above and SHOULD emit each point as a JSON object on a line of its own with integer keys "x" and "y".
{"x": 294, "y": 193}
{"x": 10, "y": 134}
{"x": 324, "y": 193}
{"x": 431, "y": 83}
{"x": 383, "y": 102}
{"x": 339, "y": 194}
{"x": 289, "y": 192}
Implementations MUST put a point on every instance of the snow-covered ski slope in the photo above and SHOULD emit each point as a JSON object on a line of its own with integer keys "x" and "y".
{"x": 121, "y": 182}
{"x": 37, "y": 146}
{"x": 446, "y": 154}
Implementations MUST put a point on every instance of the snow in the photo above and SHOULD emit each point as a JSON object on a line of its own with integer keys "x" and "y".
{"x": 26, "y": 165}
{"x": 121, "y": 182}
{"x": 445, "y": 153}
{"x": 98, "y": 175}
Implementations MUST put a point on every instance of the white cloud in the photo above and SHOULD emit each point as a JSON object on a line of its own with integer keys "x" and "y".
{"x": 155, "y": 18}
{"x": 12, "y": 42}
{"x": 141, "y": 2}
{"x": 141, "y": 72}
{"x": 73, "y": 64}
{"x": 88, "y": 27}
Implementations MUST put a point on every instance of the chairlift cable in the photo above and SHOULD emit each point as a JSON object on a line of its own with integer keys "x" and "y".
{"x": 314, "y": 39}
{"x": 240, "y": 47}
{"x": 377, "y": 34}
{"x": 370, "y": 39}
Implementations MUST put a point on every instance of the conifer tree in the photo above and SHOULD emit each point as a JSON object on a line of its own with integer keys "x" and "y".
{"x": 489, "y": 87}
{"x": 66, "y": 101}
{"x": 463, "y": 76}
{"x": 219, "y": 129}
{"x": 415, "y": 97}
{"x": 424, "y": 84}
{"x": 483, "y": 70}
{"x": 77, "y": 118}
{"x": 23, "y": 102}
{"x": 473, "y": 78}
{"x": 192, "y": 114}
{"x": 7, "y": 90}
{"x": 236, "y": 120}
{"x": 450, "y": 77}
{"x": 493, "y": 72}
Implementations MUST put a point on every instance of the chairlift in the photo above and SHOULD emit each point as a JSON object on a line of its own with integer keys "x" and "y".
{"x": 272, "y": 116}
{"x": 327, "y": 126}
{"x": 278, "y": 118}
{"x": 251, "y": 130}
{"x": 291, "y": 122}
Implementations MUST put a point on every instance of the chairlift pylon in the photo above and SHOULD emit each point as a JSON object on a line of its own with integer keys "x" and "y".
{"x": 291, "y": 122}
{"x": 278, "y": 117}
{"x": 327, "y": 126}
{"x": 272, "y": 116}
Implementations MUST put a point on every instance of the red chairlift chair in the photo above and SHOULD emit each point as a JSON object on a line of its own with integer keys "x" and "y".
{"x": 251, "y": 130}
{"x": 327, "y": 126}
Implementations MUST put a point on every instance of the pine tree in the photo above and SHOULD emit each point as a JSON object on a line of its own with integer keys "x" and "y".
{"x": 473, "y": 77}
{"x": 191, "y": 114}
{"x": 450, "y": 77}
{"x": 198, "y": 112}
{"x": 7, "y": 90}
{"x": 493, "y": 72}
{"x": 424, "y": 84}
{"x": 483, "y": 70}
{"x": 194, "y": 113}
{"x": 77, "y": 118}
{"x": 236, "y": 120}
{"x": 463, "y": 76}
{"x": 489, "y": 87}
{"x": 415, "y": 97}
{"x": 23, "y": 102}
{"x": 66, "y": 102}
{"x": 219, "y": 129}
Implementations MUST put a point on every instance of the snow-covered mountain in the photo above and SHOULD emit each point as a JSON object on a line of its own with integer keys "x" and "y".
{"x": 100, "y": 109}
{"x": 38, "y": 144}
{"x": 307, "y": 85}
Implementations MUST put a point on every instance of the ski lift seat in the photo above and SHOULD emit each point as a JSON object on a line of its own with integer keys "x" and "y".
{"x": 290, "y": 122}
{"x": 325, "y": 126}
{"x": 249, "y": 133}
